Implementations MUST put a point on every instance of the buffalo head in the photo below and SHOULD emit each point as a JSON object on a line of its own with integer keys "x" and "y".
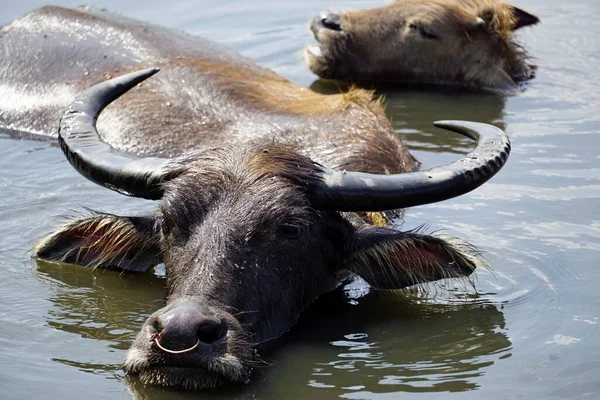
{"x": 250, "y": 236}
{"x": 427, "y": 41}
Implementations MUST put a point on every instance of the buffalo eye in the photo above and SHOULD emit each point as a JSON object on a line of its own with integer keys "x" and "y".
{"x": 422, "y": 31}
{"x": 291, "y": 231}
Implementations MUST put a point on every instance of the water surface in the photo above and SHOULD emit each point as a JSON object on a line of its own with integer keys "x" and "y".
{"x": 528, "y": 330}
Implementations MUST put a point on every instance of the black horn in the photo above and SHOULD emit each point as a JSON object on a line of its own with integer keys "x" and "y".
{"x": 356, "y": 191}
{"x": 96, "y": 160}
{"x": 340, "y": 190}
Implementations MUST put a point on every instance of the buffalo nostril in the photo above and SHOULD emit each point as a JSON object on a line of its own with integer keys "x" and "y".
{"x": 332, "y": 22}
{"x": 156, "y": 324}
{"x": 210, "y": 331}
{"x": 185, "y": 327}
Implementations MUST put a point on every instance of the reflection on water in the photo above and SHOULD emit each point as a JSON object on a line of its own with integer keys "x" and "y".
{"x": 101, "y": 305}
{"x": 395, "y": 342}
{"x": 354, "y": 347}
{"x": 383, "y": 343}
{"x": 413, "y": 109}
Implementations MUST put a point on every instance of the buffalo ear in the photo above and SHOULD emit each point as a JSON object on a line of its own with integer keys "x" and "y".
{"x": 523, "y": 18}
{"x": 500, "y": 80}
{"x": 104, "y": 241}
{"x": 389, "y": 259}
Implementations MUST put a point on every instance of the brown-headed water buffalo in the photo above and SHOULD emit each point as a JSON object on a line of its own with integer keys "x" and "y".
{"x": 466, "y": 42}
{"x": 268, "y": 194}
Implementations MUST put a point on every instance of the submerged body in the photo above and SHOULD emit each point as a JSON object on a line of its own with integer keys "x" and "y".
{"x": 464, "y": 42}
{"x": 205, "y": 92}
{"x": 258, "y": 211}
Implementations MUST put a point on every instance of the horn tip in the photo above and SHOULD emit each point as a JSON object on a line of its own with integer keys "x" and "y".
{"x": 146, "y": 73}
{"x": 454, "y": 124}
{"x": 151, "y": 70}
{"x": 133, "y": 78}
{"x": 118, "y": 86}
{"x": 465, "y": 128}
{"x": 473, "y": 130}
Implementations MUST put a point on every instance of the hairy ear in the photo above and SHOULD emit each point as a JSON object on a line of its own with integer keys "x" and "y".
{"x": 523, "y": 18}
{"x": 389, "y": 259}
{"x": 104, "y": 241}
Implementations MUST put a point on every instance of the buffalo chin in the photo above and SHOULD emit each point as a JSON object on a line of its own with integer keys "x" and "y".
{"x": 317, "y": 61}
{"x": 181, "y": 378}
{"x": 190, "y": 378}
{"x": 223, "y": 370}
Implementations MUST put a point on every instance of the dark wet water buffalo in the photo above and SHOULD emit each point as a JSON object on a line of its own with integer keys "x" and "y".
{"x": 257, "y": 212}
{"x": 467, "y": 42}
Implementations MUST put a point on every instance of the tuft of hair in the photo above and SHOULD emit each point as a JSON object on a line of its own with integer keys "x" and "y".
{"x": 284, "y": 162}
{"x": 230, "y": 366}
{"x": 136, "y": 360}
{"x": 377, "y": 219}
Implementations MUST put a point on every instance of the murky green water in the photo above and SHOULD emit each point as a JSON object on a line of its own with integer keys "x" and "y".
{"x": 530, "y": 330}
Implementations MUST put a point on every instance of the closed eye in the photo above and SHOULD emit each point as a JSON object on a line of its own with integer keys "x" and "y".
{"x": 423, "y": 32}
{"x": 292, "y": 231}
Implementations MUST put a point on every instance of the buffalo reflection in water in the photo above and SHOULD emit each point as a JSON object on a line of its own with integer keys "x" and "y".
{"x": 411, "y": 108}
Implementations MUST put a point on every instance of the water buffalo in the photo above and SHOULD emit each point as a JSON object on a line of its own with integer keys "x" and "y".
{"x": 268, "y": 194}
{"x": 467, "y": 42}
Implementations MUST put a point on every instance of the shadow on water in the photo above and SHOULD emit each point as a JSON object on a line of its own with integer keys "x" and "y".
{"x": 343, "y": 344}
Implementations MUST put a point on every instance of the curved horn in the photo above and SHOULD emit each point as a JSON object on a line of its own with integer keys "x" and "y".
{"x": 96, "y": 160}
{"x": 356, "y": 191}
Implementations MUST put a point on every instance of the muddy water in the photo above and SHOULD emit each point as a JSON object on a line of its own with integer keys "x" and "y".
{"x": 529, "y": 330}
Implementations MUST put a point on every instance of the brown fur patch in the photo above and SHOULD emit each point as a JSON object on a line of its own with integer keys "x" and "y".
{"x": 272, "y": 93}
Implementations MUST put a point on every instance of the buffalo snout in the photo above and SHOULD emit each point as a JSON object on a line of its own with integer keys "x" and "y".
{"x": 187, "y": 327}
{"x": 330, "y": 21}
{"x": 190, "y": 344}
